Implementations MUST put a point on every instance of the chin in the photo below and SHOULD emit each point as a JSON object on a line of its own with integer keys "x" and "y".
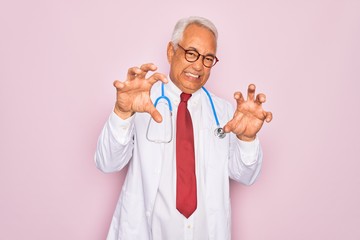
{"x": 192, "y": 88}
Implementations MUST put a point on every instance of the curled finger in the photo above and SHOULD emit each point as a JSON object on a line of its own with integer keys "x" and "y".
{"x": 157, "y": 77}
{"x": 260, "y": 98}
{"x": 148, "y": 67}
{"x": 251, "y": 92}
{"x": 145, "y": 68}
{"x": 239, "y": 97}
{"x": 155, "y": 114}
{"x": 133, "y": 72}
{"x": 118, "y": 85}
{"x": 268, "y": 117}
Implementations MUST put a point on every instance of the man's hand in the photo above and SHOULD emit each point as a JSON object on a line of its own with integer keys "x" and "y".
{"x": 249, "y": 115}
{"x": 133, "y": 95}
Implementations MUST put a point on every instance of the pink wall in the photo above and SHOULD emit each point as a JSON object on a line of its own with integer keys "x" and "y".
{"x": 58, "y": 60}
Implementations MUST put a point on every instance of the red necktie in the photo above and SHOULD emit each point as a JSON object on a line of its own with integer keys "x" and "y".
{"x": 185, "y": 160}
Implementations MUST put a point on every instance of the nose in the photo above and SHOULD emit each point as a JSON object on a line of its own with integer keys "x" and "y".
{"x": 198, "y": 65}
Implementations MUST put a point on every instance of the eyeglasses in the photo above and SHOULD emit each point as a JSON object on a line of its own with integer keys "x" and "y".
{"x": 191, "y": 55}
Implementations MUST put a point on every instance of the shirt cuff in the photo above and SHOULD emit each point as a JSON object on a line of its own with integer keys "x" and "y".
{"x": 120, "y": 128}
{"x": 249, "y": 151}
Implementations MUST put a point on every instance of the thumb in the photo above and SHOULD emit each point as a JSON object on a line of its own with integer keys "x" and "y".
{"x": 227, "y": 127}
{"x": 155, "y": 114}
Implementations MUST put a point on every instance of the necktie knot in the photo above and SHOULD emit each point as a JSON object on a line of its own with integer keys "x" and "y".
{"x": 184, "y": 97}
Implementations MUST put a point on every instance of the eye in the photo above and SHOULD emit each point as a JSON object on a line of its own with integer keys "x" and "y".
{"x": 209, "y": 59}
{"x": 192, "y": 53}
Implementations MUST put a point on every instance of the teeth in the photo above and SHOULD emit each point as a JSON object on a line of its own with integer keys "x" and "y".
{"x": 192, "y": 75}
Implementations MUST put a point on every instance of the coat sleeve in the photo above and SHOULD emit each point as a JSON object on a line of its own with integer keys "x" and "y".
{"x": 115, "y": 144}
{"x": 245, "y": 160}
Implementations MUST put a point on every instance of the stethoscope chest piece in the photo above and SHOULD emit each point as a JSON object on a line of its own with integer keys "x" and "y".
{"x": 219, "y": 132}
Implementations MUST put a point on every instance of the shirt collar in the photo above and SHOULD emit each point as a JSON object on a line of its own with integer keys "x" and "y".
{"x": 173, "y": 92}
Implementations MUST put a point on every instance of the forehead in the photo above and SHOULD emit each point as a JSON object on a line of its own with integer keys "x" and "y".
{"x": 199, "y": 37}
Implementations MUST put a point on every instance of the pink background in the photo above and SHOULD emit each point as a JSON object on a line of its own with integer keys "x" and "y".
{"x": 58, "y": 60}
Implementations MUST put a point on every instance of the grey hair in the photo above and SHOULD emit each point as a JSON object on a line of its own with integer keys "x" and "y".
{"x": 182, "y": 24}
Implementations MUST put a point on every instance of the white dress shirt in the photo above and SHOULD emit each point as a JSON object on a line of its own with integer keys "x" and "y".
{"x": 167, "y": 222}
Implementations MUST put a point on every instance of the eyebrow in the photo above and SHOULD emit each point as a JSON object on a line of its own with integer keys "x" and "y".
{"x": 192, "y": 48}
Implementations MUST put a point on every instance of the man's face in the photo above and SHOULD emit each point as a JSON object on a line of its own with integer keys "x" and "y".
{"x": 191, "y": 76}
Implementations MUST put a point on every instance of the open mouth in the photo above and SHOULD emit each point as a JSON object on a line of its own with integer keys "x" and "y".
{"x": 192, "y": 75}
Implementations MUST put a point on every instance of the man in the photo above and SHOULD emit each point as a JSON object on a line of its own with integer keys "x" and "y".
{"x": 153, "y": 203}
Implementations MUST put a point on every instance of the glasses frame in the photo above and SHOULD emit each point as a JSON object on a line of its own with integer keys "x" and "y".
{"x": 198, "y": 56}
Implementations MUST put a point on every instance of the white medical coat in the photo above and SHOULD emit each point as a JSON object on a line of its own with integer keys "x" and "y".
{"x": 224, "y": 158}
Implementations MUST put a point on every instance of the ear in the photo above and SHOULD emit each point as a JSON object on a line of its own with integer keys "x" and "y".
{"x": 170, "y": 52}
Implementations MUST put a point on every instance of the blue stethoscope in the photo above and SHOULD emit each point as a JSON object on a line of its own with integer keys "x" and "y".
{"x": 219, "y": 131}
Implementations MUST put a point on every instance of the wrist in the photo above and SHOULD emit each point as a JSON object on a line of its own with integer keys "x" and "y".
{"x": 123, "y": 115}
{"x": 246, "y": 139}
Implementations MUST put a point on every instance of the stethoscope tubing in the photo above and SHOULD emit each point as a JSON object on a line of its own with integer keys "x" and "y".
{"x": 219, "y": 131}
{"x": 163, "y": 97}
{"x": 212, "y": 106}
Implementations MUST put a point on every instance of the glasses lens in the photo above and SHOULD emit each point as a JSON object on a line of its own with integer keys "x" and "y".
{"x": 191, "y": 55}
{"x": 209, "y": 61}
